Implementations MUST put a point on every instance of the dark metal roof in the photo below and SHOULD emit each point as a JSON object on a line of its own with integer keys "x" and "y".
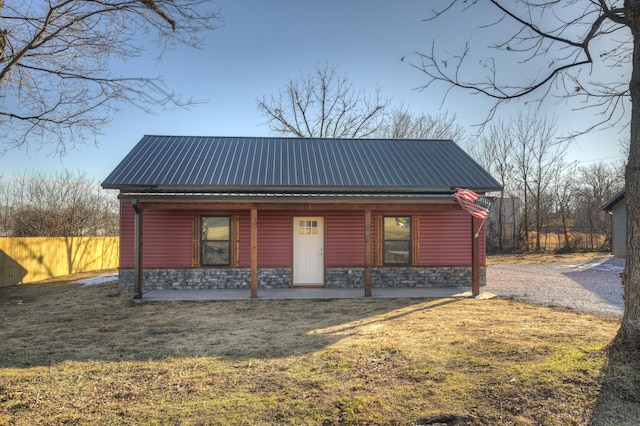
{"x": 187, "y": 163}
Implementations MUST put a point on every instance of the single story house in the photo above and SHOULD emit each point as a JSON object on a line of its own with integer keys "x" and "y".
{"x": 278, "y": 212}
{"x": 617, "y": 208}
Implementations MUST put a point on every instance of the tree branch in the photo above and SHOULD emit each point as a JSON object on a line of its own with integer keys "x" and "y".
{"x": 55, "y": 62}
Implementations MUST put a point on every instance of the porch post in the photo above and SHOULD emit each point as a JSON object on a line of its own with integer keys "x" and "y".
{"x": 137, "y": 251}
{"x": 475, "y": 257}
{"x": 367, "y": 252}
{"x": 254, "y": 251}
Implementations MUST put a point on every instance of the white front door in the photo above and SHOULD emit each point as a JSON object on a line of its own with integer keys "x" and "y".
{"x": 308, "y": 251}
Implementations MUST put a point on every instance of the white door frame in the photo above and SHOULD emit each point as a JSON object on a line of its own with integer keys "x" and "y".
{"x": 308, "y": 251}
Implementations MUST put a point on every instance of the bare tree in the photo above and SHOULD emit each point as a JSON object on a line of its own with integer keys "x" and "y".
{"x": 324, "y": 104}
{"x": 68, "y": 204}
{"x": 523, "y": 153}
{"x": 55, "y": 57}
{"x": 596, "y": 185}
{"x": 573, "y": 50}
{"x": 548, "y": 151}
{"x": 525, "y": 138}
{"x": 5, "y": 208}
{"x": 495, "y": 151}
{"x": 402, "y": 124}
{"x": 563, "y": 189}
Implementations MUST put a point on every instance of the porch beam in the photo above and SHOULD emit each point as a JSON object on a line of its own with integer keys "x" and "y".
{"x": 475, "y": 257}
{"x": 254, "y": 251}
{"x": 368, "y": 254}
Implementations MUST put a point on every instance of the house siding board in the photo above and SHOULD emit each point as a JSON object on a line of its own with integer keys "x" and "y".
{"x": 619, "y": 229}
{"x": 344, "y": 240}
{"x": 186, "y": 162}
{"x": 245, "y": 239}
{"x": 275, "y": 239}
{"x": 446, "y": 239}
{"x": 167, "y": 237}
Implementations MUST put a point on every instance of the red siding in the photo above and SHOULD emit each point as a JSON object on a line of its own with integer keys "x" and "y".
{"x": 166, "y": 238}
{"x": 445, "y": 237}
{"x": 245, "y": 239}
{"x": 275, "y": 239}
{"x": 344, "y": 239}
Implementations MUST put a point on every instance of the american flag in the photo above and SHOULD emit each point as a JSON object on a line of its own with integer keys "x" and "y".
{"x": 477, "y": 205}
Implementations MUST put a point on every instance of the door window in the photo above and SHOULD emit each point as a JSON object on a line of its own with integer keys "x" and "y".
{"x": 308, "y": 227}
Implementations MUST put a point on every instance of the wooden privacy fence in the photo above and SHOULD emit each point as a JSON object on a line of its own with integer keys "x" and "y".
{"x": 30, "y": 259}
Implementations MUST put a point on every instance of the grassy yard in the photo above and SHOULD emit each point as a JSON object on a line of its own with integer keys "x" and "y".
{"x": 85, "y": 355}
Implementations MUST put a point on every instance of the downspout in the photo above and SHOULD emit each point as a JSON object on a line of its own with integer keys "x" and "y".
{"x": 137, "y": 250}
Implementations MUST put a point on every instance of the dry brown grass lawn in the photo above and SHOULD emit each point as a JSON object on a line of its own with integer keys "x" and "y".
{"x": 85, "y": 355}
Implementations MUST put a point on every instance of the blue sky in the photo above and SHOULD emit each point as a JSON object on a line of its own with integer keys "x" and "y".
{"x": 261, "y": 45}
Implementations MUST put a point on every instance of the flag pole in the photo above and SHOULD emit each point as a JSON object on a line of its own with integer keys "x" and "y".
{"x": 475, "y": 260}
{"x": 480, "y": 227}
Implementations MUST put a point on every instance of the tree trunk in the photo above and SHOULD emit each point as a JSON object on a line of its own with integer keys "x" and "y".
{"x": 565, "y": 229}
{"x": 538, "y": 223}
{"x": 563, "y": 217}
{"x": 591, "y": 230}
{"x": 629, "y": 334}
{"x": 500, "y": 219}
{"x": 526, "y": 220}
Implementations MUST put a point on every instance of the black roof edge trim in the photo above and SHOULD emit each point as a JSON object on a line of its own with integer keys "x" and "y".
{"x": 297, "y": 189}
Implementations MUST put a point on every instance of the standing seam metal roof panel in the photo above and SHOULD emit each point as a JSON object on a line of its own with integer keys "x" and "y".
{"x": 195, "y": 165}
{"x": 202, "y": 163}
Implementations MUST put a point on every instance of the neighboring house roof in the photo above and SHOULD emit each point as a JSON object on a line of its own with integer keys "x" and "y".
{"x": 276, "y": 164}
{"x": 613, "y": 201}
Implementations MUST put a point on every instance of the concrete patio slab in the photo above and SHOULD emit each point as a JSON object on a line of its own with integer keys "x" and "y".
{"x": 303, "y": 293}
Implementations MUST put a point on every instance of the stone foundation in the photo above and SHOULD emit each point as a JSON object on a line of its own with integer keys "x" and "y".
{"x": 240, "y": 278}
{"x": 344, "y": 278}
{"x": 424, "y": 277}
{"x": 186, "y": 279}
{"x": 274, "y": 277}
{"x": 420, "y": 277}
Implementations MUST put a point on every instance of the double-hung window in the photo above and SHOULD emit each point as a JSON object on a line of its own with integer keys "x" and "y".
{"x": 396, "y": 240}
{"x": 215, "y": 241}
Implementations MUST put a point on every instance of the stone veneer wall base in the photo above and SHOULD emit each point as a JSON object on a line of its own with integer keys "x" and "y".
{"x": 240, "y": 278}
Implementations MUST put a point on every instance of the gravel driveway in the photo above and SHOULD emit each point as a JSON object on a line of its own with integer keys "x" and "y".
{"x": 592, "y": 286}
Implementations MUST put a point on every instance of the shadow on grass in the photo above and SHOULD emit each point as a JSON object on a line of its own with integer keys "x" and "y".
{"x": 618, "y": 402}
{"x": 48, "y": 324}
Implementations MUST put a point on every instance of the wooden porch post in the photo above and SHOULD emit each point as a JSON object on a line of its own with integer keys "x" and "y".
{"x": 367, "y": 252}
{"x": 254, "y": 251}
{"x": 475, "y": 257}
{"x": 137, "y": 251}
